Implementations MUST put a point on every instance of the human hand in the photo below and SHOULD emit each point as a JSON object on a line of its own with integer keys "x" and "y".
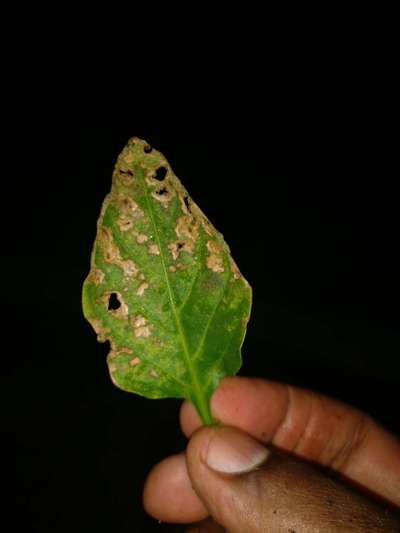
{"x": 229, "y": 475}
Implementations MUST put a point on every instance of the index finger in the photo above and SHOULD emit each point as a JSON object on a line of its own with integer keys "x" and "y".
{"x": 311, "y": 426}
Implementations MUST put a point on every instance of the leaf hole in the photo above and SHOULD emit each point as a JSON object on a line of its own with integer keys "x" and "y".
{"x": 128, "y": 171}
{"x": 113, "y": 302}
{"x": 147, "y": 149}
{"x": 162, "y": 191}
{"x": 160, "y": 174}
{"x": 187, "y": 203}
{"x": 180, "y": 245}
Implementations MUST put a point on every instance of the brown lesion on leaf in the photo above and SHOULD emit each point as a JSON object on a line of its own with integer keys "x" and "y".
{"x": 126, "y": 204}
{"x": 153, "y": 373}
{"x": 141, "y": 328}
{"x": 154, "y": 249}
{"x": 127, "y": 156}
{"x": 124, "y": 223}
{"x": 187, "y": 227}
{"x": 96, "y": 276}
{"x": 177, "y": 247}
{"x": 126, "y": 176}
{"x": 215, "y": 261}
{"x": 111, "y": 253}
{"x": 235, "y": 270}
{"x": 135, "y": 361}
{"x": 189, "y": 207}
{"x": 115, "y": 352}
{"x": 129, "y": 211}
{"x": 141, "y": 238}
{"x": 123, "y": 173}
{"x": 163, "y": 194}
{"x": 187, "y": 231}
{"x": 142, "y": 287}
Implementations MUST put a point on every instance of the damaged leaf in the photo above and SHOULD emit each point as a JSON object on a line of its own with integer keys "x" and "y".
{"x": 163, "y": 288}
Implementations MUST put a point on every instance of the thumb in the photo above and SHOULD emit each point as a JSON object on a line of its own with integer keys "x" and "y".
{"x": 248, "y": 488}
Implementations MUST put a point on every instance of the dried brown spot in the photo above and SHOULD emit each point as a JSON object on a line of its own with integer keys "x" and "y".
{"x": 136, "y": 361}
{"x": 164, "y": 195}
{"x": 144, "y": 331}
{"x": 154, "y": 249}
{"x": 129, "y": 211}
{"x": 187, "y": 227}
{"x": 125, "y": 223}
{"x": 126, "y": 204}
{"x": 215, "y": 260}
{"x": 172, "y": 268}
{"x": 215, "y": 263}
{"x": 111, "y": 253}
{"x": 140, "y": 326}
{"x": 174, "y": 248}
{"x": 180, "y": 246}
{"x": 235, "y": 270}
{"x": 142, "y": 287}
{"x": 96, "y": 276}
{"x": 141, "y": 238}
{"x": 115, "y": 351}
{"x": 128, "y": 156}
{"x": 112, "y": 367}
{"x": 214, "y": 247}
{"x": 129, "y": 268}
{"x": 125, "y": 175}
{"x": 138, "y": 321}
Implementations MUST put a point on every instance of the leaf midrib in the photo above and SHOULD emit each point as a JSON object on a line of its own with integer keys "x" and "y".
{"x": 182, "y": 336}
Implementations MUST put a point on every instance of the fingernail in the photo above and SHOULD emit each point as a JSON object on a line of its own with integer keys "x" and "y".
{"x": 232, "y": 452}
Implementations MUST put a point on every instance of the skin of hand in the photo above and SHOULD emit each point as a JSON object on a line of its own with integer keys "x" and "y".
{"x": 283, "y": 459}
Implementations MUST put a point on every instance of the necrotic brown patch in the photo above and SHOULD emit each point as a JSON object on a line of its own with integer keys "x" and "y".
{"x": 187, "y": 227}
{"x": 111, "y": 253}
{"x": 142, "y": 287}
{"x": 96, "y": 276}
{"x": 215, "y": 260}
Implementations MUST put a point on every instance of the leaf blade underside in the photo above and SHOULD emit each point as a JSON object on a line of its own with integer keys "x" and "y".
{"x": 163, "y": 288}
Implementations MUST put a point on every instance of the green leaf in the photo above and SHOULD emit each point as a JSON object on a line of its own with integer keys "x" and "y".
{"x": 163, "y": 288}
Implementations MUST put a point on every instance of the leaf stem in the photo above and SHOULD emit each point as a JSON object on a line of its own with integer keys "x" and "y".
{"x": 202, "y": 405}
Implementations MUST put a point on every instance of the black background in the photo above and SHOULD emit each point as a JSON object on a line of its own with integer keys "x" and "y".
{"x": 284, "y": 128}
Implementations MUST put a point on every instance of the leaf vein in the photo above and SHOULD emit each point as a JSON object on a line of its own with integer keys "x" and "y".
{"x": 170, "y": 294}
